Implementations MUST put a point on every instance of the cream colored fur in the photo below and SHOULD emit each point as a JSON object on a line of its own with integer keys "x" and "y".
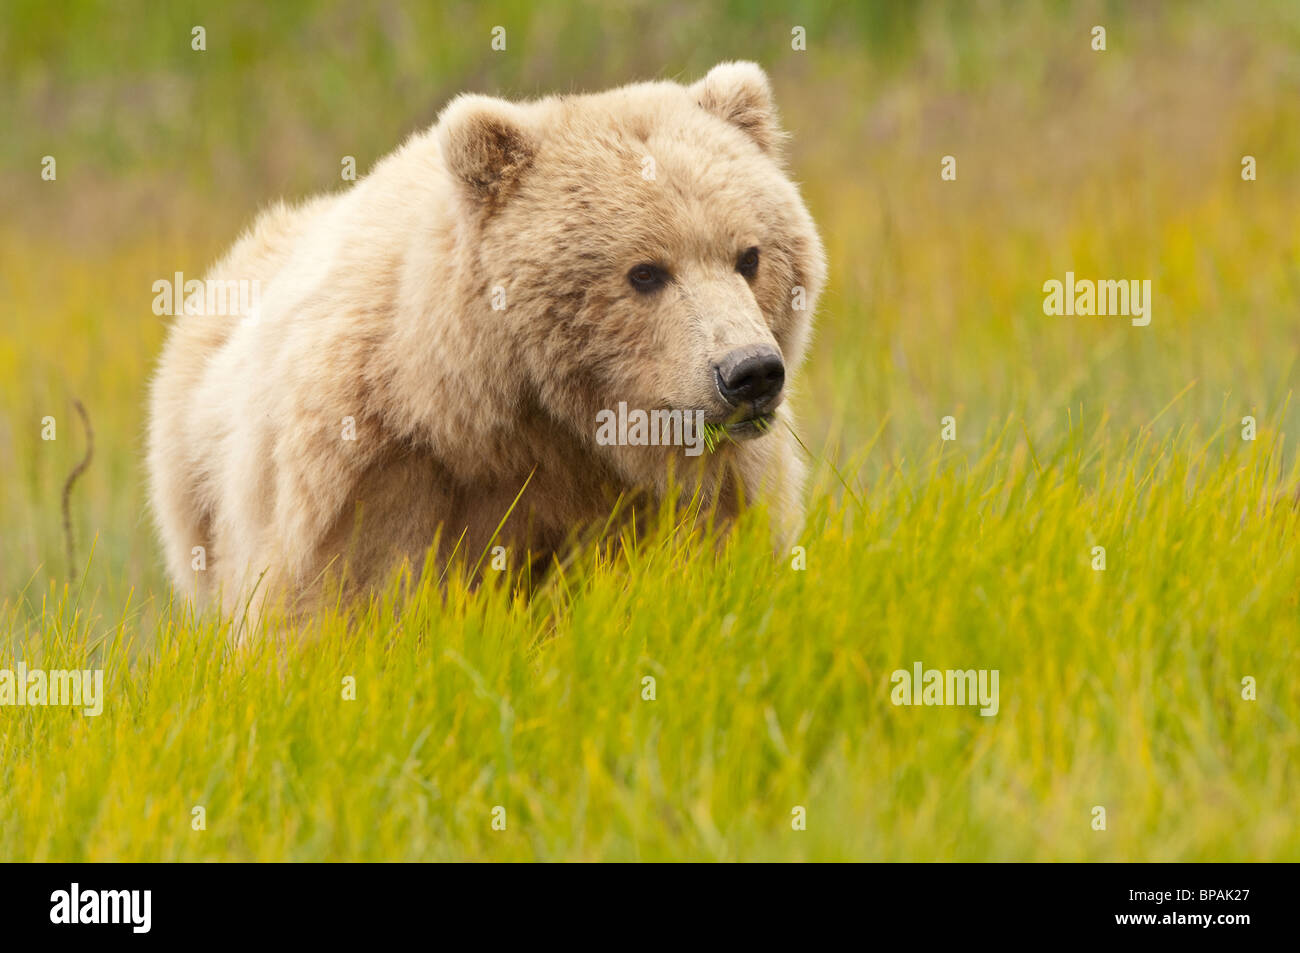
{"x": 376, "y": 305}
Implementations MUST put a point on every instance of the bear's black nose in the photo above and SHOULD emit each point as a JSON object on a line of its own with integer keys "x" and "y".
{"x": 751, "y": 375}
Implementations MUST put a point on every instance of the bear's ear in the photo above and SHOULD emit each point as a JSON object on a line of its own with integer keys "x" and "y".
{"x": 486, "y": 145}
{"x": 739, "y": 93}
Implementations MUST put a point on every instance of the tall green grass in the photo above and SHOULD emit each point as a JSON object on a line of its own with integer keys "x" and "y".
{"x": 1119, "y": 688}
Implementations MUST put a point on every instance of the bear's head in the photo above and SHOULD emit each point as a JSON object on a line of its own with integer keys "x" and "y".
{"x": 641, "y": 246}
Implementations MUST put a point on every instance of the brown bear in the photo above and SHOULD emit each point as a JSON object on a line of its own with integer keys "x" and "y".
{"x": 468, "y": 321}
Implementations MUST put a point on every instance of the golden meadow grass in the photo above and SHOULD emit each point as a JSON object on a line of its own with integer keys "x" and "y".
{"x": 1120, "y": 688}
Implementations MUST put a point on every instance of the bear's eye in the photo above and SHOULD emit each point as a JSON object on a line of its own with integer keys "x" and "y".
{"x": 647, "y": 277}
{"x": 747, "y": 265}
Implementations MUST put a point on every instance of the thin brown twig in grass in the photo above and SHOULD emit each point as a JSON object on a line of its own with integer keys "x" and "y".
{"x": 77, "y": 471}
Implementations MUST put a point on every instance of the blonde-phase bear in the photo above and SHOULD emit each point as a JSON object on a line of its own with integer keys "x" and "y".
{"x": 451, "y": 327}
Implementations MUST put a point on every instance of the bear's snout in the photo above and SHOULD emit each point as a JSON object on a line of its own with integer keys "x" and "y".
{"x": 751, "y": 376}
